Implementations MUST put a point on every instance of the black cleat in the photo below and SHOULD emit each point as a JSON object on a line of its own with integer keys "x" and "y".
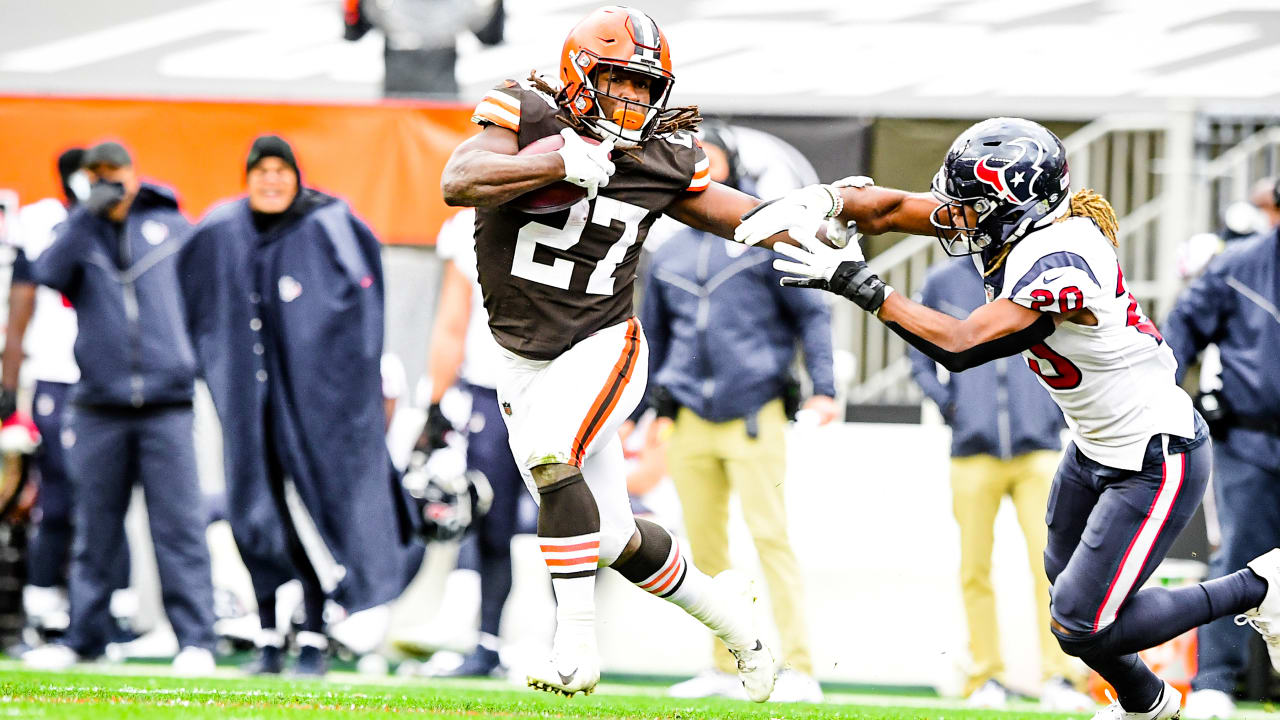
{"x": 483, "y": 662}
{"x": 311, "y": 662}
{"x": 270, "y": 661}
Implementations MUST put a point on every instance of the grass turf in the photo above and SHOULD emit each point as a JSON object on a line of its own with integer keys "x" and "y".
{"x": 26, "y": 694}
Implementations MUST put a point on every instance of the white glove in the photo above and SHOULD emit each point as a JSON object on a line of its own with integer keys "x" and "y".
{"x": 815, "y": 261}
{"x": 586, "y": 165}
{"x": 799, "y": 212}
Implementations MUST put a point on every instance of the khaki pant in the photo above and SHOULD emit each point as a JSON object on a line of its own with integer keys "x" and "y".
{"x": 710, "y": 460}
{"x": 978, "y": 484}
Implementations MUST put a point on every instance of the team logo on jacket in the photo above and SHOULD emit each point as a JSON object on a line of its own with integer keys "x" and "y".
{"x": 1015, "y": 187}
{"x": 154, "y": 232}
{"x": 289, "y": 288}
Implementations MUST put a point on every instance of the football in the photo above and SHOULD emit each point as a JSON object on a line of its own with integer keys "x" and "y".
{"x": 554, "y": 197}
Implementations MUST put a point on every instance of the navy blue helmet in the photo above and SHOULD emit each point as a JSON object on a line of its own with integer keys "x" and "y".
{"x": 1001, "y": 178}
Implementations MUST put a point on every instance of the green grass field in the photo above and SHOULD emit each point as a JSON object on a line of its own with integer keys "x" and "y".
{"x": 26, "y": 694}
{"x": 130, "y": 692}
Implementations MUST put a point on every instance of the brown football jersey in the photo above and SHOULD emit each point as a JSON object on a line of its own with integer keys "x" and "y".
{"x": 551, "y": 280}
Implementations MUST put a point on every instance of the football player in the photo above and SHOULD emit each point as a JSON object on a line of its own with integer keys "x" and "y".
{"x": 558, "y": 292}
{"x": 1140, "y": 455}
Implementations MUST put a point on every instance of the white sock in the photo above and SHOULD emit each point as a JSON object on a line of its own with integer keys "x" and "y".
{"x": 698, "y": 595}
{"x": 573, "y": 562}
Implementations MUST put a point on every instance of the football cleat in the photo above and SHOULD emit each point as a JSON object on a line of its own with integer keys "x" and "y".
{"x": 991, "y": 695}
{"x": 756, "y": 667}
{"x": 1059, "y": 695}
{"x": 568, "y": 674}
{"x": 1266, "y": 617}
{"x": 1167, "y": 707}
{"x": 1209, "y": 704}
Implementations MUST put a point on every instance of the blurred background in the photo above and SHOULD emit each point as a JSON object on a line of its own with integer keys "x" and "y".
{"x": 1171, "y": 110}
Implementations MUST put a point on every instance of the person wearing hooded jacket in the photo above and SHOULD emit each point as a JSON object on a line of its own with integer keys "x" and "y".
{"x": 284, "y": 298}
{"x": 130, "y": 416}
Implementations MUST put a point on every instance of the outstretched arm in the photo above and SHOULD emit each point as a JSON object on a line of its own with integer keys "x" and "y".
{"x": 719, "y": 210}
{"x": 994, "y": 330}
{"x": 801, "y": 213}
{"x": 881, "y": 210}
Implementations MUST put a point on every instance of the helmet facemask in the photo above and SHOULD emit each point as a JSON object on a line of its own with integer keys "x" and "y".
{"x": 632, "y": 121}
{"x": 957, "y": 222}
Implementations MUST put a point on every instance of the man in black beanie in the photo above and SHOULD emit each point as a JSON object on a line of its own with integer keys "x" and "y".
{"x": 284, "y": 298}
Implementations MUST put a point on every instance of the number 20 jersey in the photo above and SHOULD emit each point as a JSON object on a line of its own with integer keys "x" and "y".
{"x": 551, "y": 280}
{"x": 1114, "y": 381}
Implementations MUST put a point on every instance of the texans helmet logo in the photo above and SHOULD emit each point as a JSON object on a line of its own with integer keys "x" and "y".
{"x": 1015, "y": 188}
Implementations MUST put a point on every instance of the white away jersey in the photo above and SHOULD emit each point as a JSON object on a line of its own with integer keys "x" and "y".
{"x": 1113, "y": 381}
{"x": 51, "y": 335}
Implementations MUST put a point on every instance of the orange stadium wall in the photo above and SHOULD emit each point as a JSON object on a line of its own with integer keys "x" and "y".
{"x": 383, "y": 158}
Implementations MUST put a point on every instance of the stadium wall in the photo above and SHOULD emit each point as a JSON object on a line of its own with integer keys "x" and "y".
{"x": 383, "y": 158}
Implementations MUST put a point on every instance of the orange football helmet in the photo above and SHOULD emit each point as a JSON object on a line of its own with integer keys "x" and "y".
{"x": 624, "y": 38}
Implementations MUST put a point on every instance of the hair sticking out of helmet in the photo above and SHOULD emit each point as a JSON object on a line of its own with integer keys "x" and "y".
{"x": 1089, "y": 204}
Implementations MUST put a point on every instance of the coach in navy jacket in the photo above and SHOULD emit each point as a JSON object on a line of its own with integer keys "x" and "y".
{"x": 1234, "y": 304}
{"x": 719, "y": 346}
{"x": 130, "y": 416}
{"x": 286, "y": 312}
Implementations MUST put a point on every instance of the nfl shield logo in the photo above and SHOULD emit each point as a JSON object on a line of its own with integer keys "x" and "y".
{"x": 506, "y": 408}
{"x": 991, "y": 292}
{"x": 154, "y": 232}
{"x": 289, "y": 288}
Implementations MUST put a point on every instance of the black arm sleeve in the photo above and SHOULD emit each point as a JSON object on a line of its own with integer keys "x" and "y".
{"x": 1010, "y": 344}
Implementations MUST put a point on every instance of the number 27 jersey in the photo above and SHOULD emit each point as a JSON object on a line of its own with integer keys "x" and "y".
{"x": 1115, "y": 380}
{"x": 551, "y": 280}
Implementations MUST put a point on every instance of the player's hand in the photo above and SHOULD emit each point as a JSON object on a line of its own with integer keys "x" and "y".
{"x": 436, "y": 431}
{"x": 800, "y": 212}
{"x": 843, "y": 272}
{"x": 586, "y": 165}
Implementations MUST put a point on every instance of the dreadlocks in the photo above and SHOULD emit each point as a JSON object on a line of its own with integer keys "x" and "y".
{"x": 681, "y": 118}
{"x": 1089, "y": 204}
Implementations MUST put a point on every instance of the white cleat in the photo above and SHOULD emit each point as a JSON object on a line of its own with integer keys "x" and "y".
{"x": 1266, "y": 617}
{"x": 50, "y": 657}
{"x": 795, "y": 686}
{"x": 1168, "y": 707}
{"x": 1209, "y": 704}
{"x": 991, "y": 695}
{"x": 568, "y": 673}
{"x": 194, "y": 662}
{"x": 756, "y": 667}
{"x": 1059, "y": 695}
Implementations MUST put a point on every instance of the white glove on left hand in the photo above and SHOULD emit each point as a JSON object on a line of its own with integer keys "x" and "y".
{"x": 800, "y": 212}
{"x": 813, "y": 264}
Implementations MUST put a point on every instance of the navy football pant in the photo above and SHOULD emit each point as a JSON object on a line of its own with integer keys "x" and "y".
{"x": 489, "y": 451}
{"x": 1108, "y": 531}
{"x": 108, "y": 452}
{"x": 1248, "y": 501}
{"x": 50, "y": 547}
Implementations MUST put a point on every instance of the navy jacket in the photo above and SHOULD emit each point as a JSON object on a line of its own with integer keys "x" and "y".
{"x": 288, "y": 327}
{"x": 1235, "y": 305}
{"x": 132, "y": 347}
{"x": 998, "y": 408}
{"x": 722, "y": 333}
